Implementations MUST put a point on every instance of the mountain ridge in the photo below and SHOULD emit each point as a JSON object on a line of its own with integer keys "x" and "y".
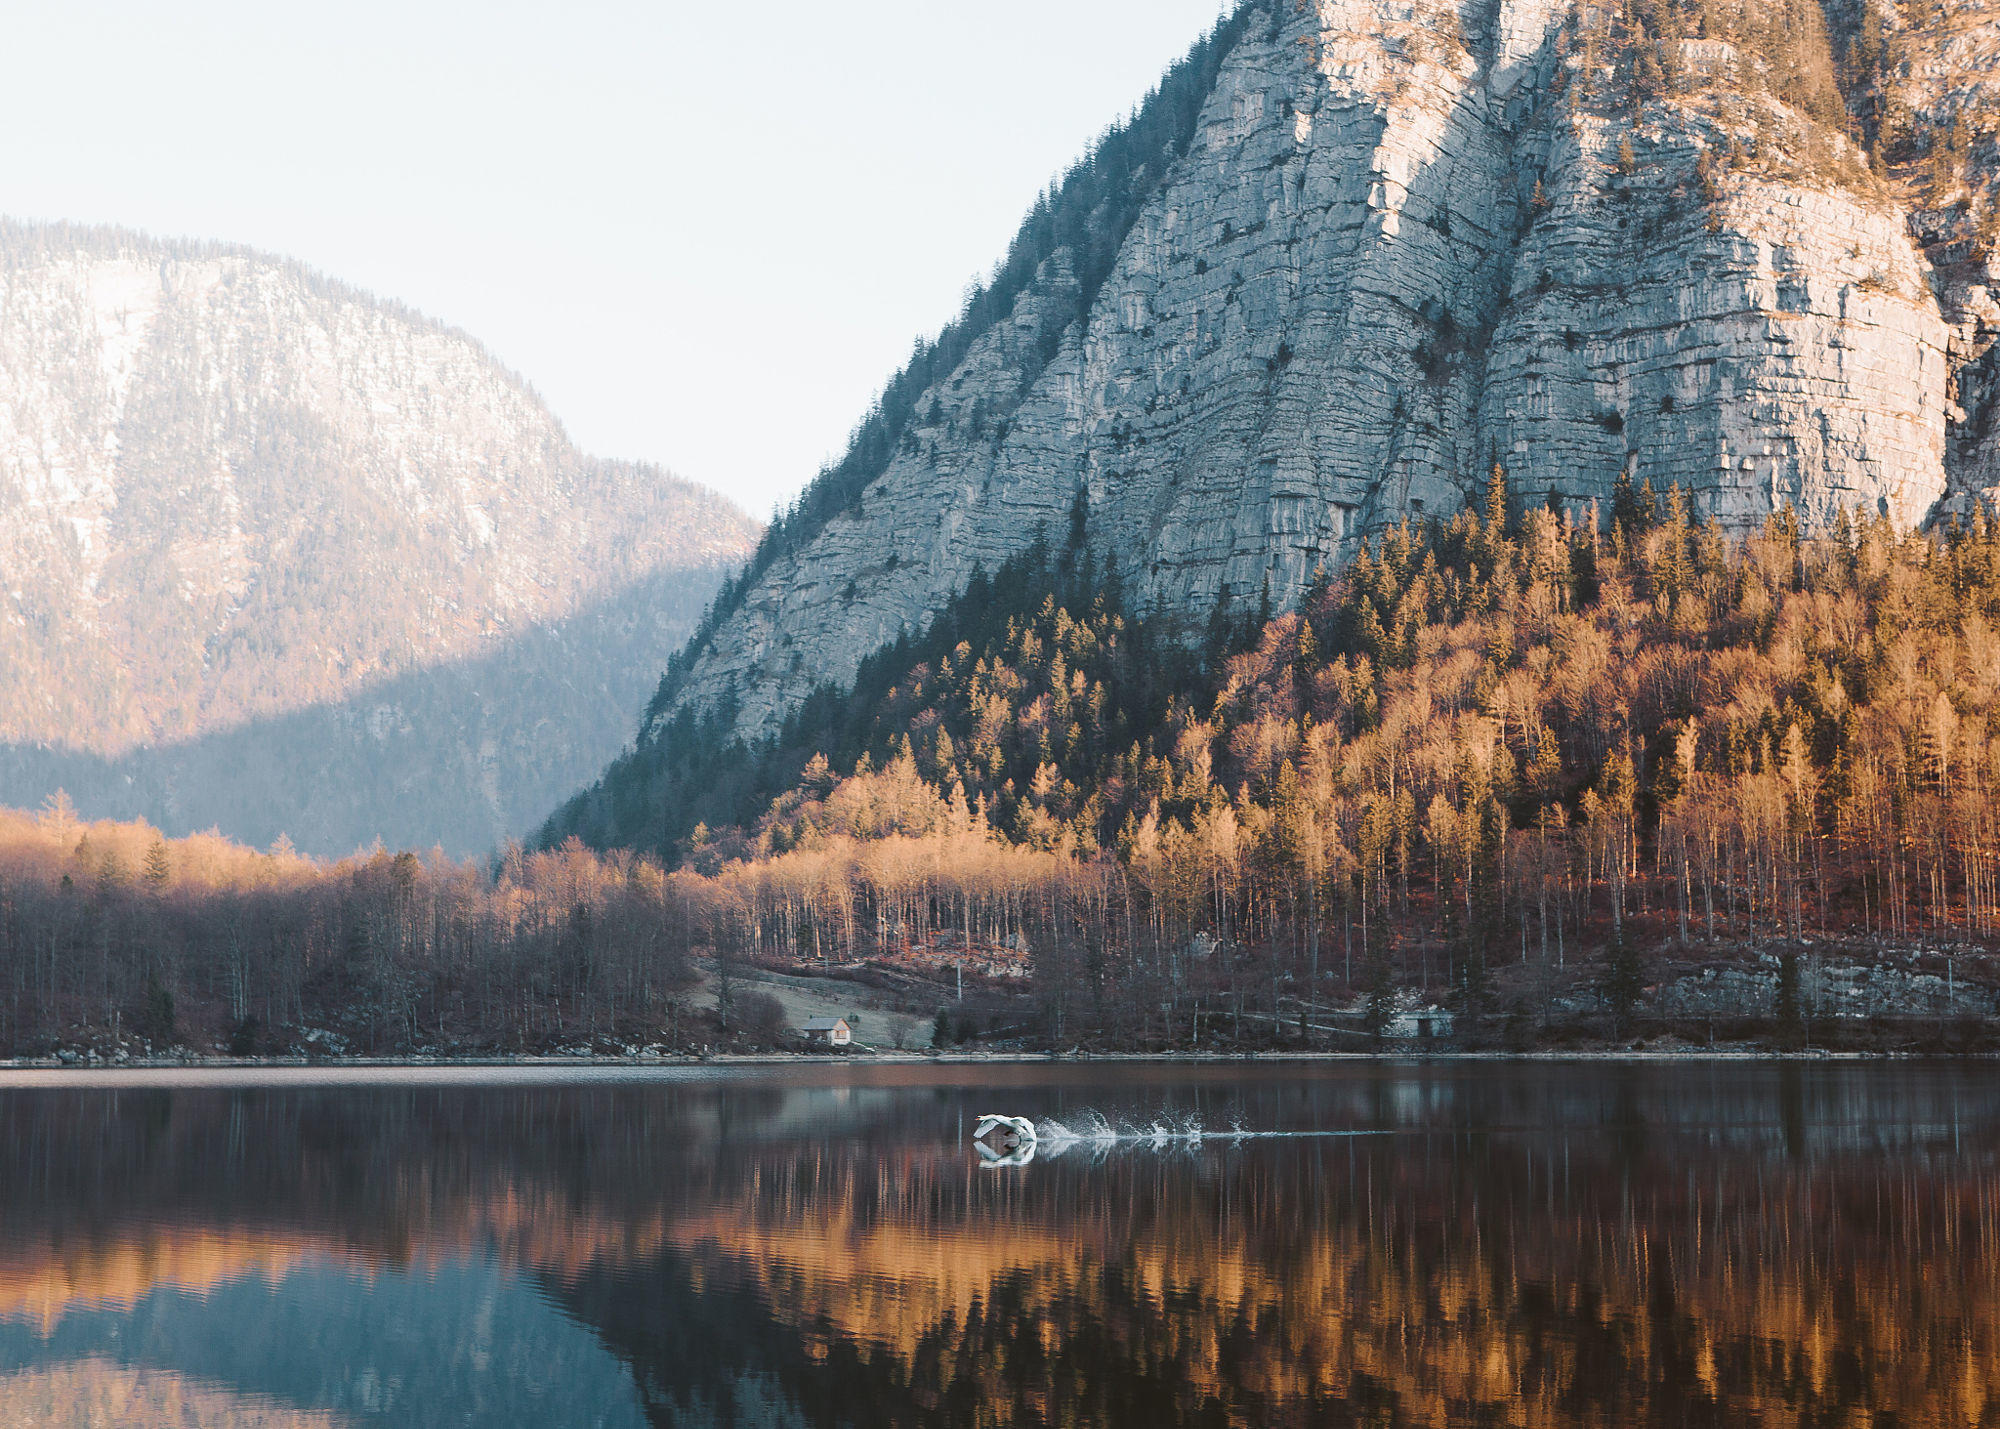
{"x": 241, "y": 491}
{"x": 1406, "y": 242}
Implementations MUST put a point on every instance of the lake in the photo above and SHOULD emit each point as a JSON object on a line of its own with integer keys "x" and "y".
{"x": 1591, "y": 1243}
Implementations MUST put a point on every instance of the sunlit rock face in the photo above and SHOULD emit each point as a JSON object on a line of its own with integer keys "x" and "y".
{"x": 1779, "y": 348}
{"x": 1410, "y": 239}
{"x": 1946, "y": 86}
{"x": 283, "y": 558}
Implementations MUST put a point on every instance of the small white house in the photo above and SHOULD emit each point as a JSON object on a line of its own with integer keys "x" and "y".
{"x": 829, "y": 1031}
{"x": 1420, "y": 1024}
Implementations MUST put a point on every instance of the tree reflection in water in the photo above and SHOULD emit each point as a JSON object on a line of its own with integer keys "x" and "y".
{"x": 1594, "y": 1243}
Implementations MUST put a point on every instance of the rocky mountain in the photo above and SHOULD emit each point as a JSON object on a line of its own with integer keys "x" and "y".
{"x": 1353, "y": 254}
{"x": 280, "y": 557}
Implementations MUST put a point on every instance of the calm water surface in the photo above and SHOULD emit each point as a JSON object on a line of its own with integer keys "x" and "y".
{"x": 1590, "y": 1244}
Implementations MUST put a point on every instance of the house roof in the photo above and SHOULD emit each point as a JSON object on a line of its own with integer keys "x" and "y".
{"x": 824, "y": 1024}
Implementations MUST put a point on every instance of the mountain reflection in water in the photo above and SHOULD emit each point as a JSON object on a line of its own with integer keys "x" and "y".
{"x": 1551, "y": 1244}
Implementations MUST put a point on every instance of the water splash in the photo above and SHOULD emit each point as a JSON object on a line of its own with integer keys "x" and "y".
{"x": 1092, "y": 1132}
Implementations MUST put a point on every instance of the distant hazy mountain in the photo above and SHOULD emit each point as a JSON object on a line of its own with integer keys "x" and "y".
{"x": 284, "y": 558}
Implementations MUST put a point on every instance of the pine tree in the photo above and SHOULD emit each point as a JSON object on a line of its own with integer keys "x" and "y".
{"x": 1791, "y": 1028}
{"x": 1378, "y": 1009}
{"x": 1624, "y": 983}
{"x": 1472, "y": 993}
{"x": 1705, "y": 179}
{"x": 1308, "y": 658}
{"x": 1496, "y": 501}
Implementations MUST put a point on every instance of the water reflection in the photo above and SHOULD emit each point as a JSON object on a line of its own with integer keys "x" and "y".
{"x": 1593, "y": 1244}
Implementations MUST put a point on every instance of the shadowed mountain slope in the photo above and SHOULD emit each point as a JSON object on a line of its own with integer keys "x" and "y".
{"x": 277, "y": 556}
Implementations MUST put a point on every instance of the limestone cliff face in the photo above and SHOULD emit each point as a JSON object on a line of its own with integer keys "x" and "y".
{"x": 1778, "y": 345}
{"x": 1936, "y": 90}
{"x": 1407, "y": 239}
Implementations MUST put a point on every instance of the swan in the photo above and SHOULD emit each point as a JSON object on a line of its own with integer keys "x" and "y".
{"x": 1005, "y": 1140}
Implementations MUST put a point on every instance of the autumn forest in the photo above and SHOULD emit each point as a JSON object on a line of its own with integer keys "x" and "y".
{"x": 1521, "y": 766}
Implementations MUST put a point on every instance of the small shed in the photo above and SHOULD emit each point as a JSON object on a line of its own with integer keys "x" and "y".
{"x": 829, "y": 1031}
{"x": 1420, "y": 1024}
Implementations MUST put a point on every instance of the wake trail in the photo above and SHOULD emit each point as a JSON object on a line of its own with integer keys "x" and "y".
{"x": 1092, "y": 1131}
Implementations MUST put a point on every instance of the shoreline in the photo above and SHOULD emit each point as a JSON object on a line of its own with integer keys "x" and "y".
{"x": 40, "y": 1067}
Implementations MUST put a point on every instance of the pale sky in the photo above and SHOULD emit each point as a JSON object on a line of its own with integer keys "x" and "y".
{"x": 705, "y": 233}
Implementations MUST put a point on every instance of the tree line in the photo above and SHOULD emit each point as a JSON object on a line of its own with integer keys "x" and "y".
{"x": 1499, "y": 756}
{"x": 112, "y": 935}
{"x": 1501, "y": 759}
